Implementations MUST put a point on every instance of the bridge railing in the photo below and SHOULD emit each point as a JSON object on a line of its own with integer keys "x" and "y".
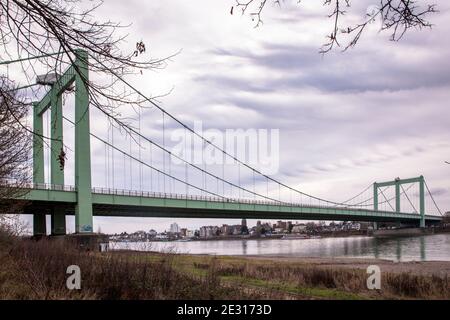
{"x": 12, "y": 183}
{"x": 162, "y": 195}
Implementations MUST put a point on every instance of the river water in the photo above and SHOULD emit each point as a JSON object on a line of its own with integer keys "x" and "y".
{"x": 423, "y": 248}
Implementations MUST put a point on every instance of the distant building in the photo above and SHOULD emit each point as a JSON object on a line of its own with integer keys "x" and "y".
{"x": 174, "y": 228}
{"x": 355, "y": 226}
{"x": 446, "y": 219}
{"x": 152, "y": 233}
{"x": 162, "y": 236}
{"x": 279, "y": 230}
{"x": 190, "y": 233}
{"x": 281, "y": 225}
{"x": 237, "y": 230}
{"x": 266, "y": 228}
{"x": 299, "y": 228}
{"x": 139, "y": 235}
{"x": 226, "y": 230}
{"x": 364, "y": 225}
{"x": 209, "y": 231}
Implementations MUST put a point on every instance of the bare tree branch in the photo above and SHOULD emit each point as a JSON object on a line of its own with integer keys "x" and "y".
{"x": 15, "y": 157}
{"x": 397, "y": 16}
{"x": 34, "y": 28}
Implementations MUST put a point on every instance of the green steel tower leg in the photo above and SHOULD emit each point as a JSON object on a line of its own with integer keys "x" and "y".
{"x": 397, "y": 196}
{"x": 398, "y": 206}
{"x": 39, "y": 223}
{"x": 83, "y": 209}
{"x": 375, "y": 203}
{"x": 58, "y": 221}
{"x": 422, "y": 202}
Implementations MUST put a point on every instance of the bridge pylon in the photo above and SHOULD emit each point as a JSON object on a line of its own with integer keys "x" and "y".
{"x": 78, "y": 73}
{"x": 397, "y": 183}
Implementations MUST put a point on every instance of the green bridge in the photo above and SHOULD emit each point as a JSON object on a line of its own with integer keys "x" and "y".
{"x": 84, "y": 201}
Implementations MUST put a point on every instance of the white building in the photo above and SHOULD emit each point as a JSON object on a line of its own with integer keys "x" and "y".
{"x": 208, "y": 231}
{"x": 190, "y": 233}
{"x": 174, "y": 228}
{"x": 299, "y": 228}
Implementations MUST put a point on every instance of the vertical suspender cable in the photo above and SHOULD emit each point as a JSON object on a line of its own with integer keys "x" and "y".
{"x": 186, "y": 165}
{"x": 203, "y": 165}
{"x": 140, "y": 151}
{"x": 112, "y": 157}
{"x": 239, "y": 177}
{"x": 131, "y": 167}
{"x": 106, "y": 167}
{"x": 124, "y": 183}
{"x": 151, "y": 164}
{"x": 254, "y": 186}
{"x": 223, "y": 173}
{"x": 164, "y": 155}
{"x": 107, "y": 156}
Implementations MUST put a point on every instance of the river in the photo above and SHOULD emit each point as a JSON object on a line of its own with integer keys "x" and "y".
{"x": 400, "y": 249}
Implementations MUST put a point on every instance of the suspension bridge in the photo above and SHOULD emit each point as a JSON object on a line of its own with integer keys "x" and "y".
{"x": 185, "y": 190}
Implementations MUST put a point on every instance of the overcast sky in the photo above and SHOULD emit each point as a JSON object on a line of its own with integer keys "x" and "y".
{"x": 346, "y": 119}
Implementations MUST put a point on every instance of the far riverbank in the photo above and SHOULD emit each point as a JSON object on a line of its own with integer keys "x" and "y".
{"x": 434, "y": 247}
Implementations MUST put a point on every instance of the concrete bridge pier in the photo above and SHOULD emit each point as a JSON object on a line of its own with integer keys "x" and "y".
{"x": 39, "y": 225}
{"x": 58, "y": 222}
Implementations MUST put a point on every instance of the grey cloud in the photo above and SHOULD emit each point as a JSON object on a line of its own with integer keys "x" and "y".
{"x": 338, "y": 72}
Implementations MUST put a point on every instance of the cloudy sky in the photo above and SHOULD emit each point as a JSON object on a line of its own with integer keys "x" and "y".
{"x": 346, "y": 119}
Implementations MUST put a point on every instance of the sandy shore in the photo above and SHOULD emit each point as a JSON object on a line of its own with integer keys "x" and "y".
{"x": 437, "y": 268}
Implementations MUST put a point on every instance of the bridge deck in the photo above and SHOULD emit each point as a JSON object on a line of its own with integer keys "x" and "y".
{"x": 120, "y": 203}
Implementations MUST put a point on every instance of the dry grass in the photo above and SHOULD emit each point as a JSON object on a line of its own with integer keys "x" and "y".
{"x": 37, "y": 270}
{"x": 339, "y": 280}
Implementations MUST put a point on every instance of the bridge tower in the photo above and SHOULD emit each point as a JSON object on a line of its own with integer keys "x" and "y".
{"x": 397, "y": 183}
{"x": 78, "y": 73}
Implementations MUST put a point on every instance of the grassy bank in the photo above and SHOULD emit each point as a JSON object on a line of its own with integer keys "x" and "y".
{"x": 37, "y": 270}
{"x": 304, "y": 280}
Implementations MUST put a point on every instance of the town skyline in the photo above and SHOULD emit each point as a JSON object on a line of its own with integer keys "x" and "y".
{"x": 242, "y": 230}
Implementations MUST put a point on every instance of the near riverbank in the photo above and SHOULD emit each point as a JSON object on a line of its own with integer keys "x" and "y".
{"x": 429, "y": 268}
{"x": 324, "y": 278}
{"x": 37, "y": 270}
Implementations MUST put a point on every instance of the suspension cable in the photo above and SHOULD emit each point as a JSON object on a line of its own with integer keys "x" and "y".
{"x": 147, "y": 165}
{"x": 359, "y": 194}
{"x": 202, "y": 137}
{"x": 388, "y": 202}
{"x": 383, "y": 202}
{"x": 407, "y": 197}
{"x": 29, "y": 58}
{"x": 432, "y": 198}
{"x": 191, "y": 164}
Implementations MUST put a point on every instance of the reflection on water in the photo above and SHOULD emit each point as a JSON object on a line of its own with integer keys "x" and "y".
{"x": 424, "y": 248}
